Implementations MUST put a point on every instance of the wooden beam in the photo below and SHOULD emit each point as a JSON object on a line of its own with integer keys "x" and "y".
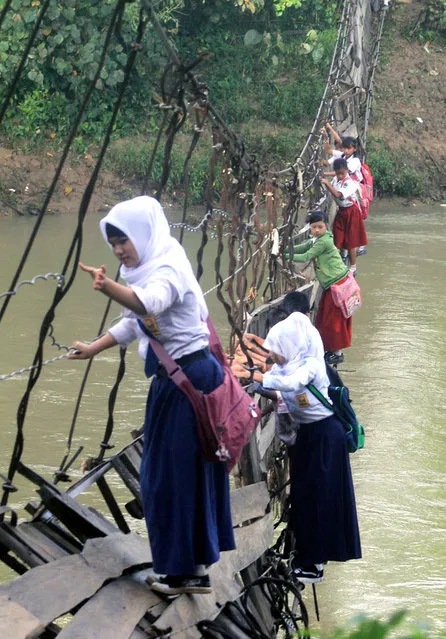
{"x": 113, "y": 505}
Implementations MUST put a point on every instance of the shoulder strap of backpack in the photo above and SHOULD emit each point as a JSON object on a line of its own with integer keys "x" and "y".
{"x": 174, "y": 371}
{"x": 312, "y": 388}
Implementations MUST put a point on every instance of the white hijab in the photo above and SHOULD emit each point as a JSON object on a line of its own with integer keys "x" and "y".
{"x": 295, "y": 338}
{"x": 142, "y": 220}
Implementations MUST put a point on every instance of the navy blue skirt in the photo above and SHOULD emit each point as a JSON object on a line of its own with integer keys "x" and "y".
{"x": 323, "y": 509}
{"x": 185, "y": 499}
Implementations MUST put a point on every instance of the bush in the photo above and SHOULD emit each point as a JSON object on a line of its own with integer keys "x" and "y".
{"x": 130, "y": 158}
{"x": 362, "y": 627}
{"x": 392, "y": 176}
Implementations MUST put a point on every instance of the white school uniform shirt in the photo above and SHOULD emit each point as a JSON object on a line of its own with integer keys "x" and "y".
{"x": 300, "y": 344}
{"x": 349, "y": 189}
{"x": 176, "y": 325}
{"x": 353, "y": 164}
{"x": 303, "y": 406}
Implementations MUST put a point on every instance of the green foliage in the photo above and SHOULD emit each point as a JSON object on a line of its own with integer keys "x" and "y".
{"x": 393, "y": 175}
{"x": 63, "y": 62}
{"x": 130, "y": 158}
{"x": 362, "y": 627}
{"x": 435, "y": 17}
{"x": 268, "y": 66}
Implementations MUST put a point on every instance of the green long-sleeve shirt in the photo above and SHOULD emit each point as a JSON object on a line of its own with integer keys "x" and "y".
{"x": 328, "y": 265}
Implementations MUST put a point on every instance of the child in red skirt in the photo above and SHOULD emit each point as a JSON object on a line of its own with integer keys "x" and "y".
{"x": 348, "y": 228}
{"x": 334, "y": 328}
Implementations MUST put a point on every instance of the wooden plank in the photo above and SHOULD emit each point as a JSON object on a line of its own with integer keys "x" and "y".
{"x": 53, "y": 589}
{"x": 113, "y": 505}
{"x": 113, "y": 612}
{"x": 265, "y": 435}
{"x": 132, "y": 459}
{"x": 11, "y": 539}
{"x": 59, "y": 535}
{"x": 249, "y": 502}
{"x": 16, "y": 622}
{"x": 81, "y": 521}
{"x": 187, "y": 610}
{"x": 251, "y": 542}
{"x": 37, "y": 537}
{"x": 129, "y": 479}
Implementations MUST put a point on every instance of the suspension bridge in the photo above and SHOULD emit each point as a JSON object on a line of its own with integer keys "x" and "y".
{"x": 81, "y": 573}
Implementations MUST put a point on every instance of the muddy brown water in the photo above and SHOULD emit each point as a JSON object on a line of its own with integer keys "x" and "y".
{"x": 395, "y": 369}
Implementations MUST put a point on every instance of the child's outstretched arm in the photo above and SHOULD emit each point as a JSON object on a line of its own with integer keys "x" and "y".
{"x": 337, "y": 138}
{"x": 327, "y": 146}
{"x": 117, "y": 292}
{"x": 87, "y": 351}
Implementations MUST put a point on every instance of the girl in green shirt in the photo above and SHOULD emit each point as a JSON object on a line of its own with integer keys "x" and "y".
{"x": 335, "y": 329}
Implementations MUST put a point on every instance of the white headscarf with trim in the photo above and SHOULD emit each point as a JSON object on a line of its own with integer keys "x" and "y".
{"x": 142, "y": 220}
{"x": 295, "y": 338}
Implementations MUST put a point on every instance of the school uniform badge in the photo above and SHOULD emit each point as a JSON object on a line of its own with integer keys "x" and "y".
{"x": 302, "y": 401}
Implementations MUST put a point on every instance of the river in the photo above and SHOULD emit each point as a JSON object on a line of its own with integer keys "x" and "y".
{"x": 395, "y": 370}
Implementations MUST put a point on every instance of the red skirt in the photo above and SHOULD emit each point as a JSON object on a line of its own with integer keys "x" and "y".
{"x": 335, "y": 329}
{"x": 348, "y": 228}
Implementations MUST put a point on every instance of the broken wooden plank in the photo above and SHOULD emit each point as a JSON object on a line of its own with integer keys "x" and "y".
{"x": 112, "y": 504}
{"x": 251, "y": 542}
{"x": 249, "y": 502}
{"x": 38, "y": 538}
{"x": 17, "y": 622}
{"x": 132, "y": 459}
{"x": 187, "y": 610}
{"x": 266, "y": 434}
{"x": 30, "y": 553}
{"x": 113, "y": 612}
{"x": 129, "y": 479}
{"x": 81, "y": 521}
{"x": 53, "y": 589}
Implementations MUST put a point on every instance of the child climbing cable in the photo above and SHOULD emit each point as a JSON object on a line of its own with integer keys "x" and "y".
{"x": 335, "y": 329}
{"x": 348, "y": 227}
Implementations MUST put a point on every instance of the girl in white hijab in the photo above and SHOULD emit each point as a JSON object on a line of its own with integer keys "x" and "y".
{"x": 322, "y": 500}
{"x": 185, "y": 499}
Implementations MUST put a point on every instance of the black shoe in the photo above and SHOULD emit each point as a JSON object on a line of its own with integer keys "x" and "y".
{"x": 334, "y": 358}
{"x": 183, "y": 584}
{"x": 312, "y": 574}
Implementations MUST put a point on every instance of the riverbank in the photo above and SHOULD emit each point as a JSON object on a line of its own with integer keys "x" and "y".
{"x": 25, "y": 180}
{"x": 409, "y": 110}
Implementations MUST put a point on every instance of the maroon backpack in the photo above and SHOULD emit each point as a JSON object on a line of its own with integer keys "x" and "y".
{"x": 226, "y": 416}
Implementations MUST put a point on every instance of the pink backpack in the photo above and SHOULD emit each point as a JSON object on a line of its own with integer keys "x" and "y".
{"x": 365, "y": 190}
{"x": 346, "y": 295}
{"x": 363, "y": 200}
{"x": 367, "y": 180}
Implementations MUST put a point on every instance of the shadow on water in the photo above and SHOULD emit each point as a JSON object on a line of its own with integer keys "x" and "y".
{"x": 395, "y": 369}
